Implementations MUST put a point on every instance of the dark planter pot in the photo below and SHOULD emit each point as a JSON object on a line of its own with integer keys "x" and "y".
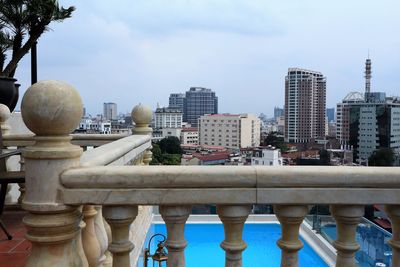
{"x": 9, "y": 92}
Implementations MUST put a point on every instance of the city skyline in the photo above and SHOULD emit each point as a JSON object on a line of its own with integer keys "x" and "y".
{"x": 142, "y": 53}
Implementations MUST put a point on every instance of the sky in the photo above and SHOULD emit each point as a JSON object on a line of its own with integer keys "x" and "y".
{"x": 140, "y": 51}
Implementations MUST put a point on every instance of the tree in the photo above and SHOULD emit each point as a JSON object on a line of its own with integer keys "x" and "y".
{"x": 170, "y": 145}
{"x": 157, "y": 155}
{"x": 324, "y": 157}
{"x": 167, "y": 152}
{"x": 22, "y": 22}
{"x": 277, "y": 141}
{"x": 381, "y": 157}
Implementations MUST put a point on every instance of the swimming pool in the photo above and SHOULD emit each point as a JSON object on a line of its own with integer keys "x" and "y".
{"x": 204, "y": 239}
{"x": 373, "y": 243}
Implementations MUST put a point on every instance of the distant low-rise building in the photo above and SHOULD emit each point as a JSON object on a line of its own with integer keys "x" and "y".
{"x": 228, "y": 130}
{"x": 189, "y": 136}
{"x": 204, "y": 158}
{"x": 168, "y": 118}
{"x": 267, "y": 156}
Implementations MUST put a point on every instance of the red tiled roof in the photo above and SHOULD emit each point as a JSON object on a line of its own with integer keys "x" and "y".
{"x": 226, "y": 115}
{"x": 190, "y": 129}
{"x": 213, "y": 156}
{"x": 204, "y": 147}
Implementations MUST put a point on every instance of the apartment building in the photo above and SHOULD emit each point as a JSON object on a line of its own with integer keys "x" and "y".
{"x": 305, "y": 105}
{"x": 168, "y": 118}
{"x": 228, "y": 130}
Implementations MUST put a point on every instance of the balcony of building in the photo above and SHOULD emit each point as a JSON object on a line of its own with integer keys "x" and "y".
{"x": 93, "y": 207}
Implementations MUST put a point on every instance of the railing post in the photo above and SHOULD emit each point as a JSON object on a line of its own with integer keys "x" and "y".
{"x": 142, "y": 115}
{"x": 120, "y": 219}
{"x": 290, "y": 218}
{"x": 51, "y": 109}
{"x": 90, "y": 240}
{"x": 5, "y": 130}
{"x": 101, "y": 235}
{"x": 347, "y": 219}
{"x": 175, "y": 219}
{"x": 394, "y": 215}
{"x": 21, "y": 185}
{"x": 233, "y": 218}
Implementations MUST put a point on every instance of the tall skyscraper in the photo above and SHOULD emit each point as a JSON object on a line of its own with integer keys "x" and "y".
{"x": 176, "y": 101}
{"x": 110, "y": 111}
{"x": 305, "y": 105}
{"x": 197, "y": 102}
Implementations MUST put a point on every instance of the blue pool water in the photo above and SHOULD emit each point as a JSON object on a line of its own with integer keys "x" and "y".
{"x": 373, "y": 244}
{"x": 204, "y": 246}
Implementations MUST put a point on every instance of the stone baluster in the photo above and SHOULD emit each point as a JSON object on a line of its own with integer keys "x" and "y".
{"x": 120, "y": 218}
{"x": 175, "y": 218}
{"x": 233, "y": 218}
{"x": 107, "y": 228}
{"x": 101, "y": 235}
{"x": 5, "y": 130}
{"x": 142, "y": 115}
{"x": 90, "y": 240}
{"x": 394, "y": 215}
{"x": 347, "y": 218}
{"x": 21, "y": 185}
{"x": 51, "y": 110}
{"x": 290, "y": 218}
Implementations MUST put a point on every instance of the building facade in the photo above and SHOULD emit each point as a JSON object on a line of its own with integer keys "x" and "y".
{"x": 374, "y": 124}
{"x": 330, "y": 114}
{"x": 176, "y": 101}
{"x": 199, "y": 101}
{"x": 343, "y": 116}
{"x": 110, "y": 111}
{"x": 278, "y": 112}
{"x": 267, "y": 156}
{"x": 305, "y": 105}
{"x": 189, "y": 136}
{"x": 168, "y": 118}
{"x": 228, "y": 130}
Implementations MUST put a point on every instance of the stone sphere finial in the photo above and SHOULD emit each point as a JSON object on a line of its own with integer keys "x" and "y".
{"x": 4, "y": 113}
{"x": 142, "y": 115}
{"x": 51, "y": 108}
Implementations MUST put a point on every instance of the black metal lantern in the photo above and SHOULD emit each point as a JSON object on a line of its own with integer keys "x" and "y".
{"x": 160, "y": 255}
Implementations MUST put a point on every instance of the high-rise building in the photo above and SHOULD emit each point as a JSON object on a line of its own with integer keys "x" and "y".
{"x": 374, "y": 124}
{"x": 176, "y": 101}
{"x": 343, "y": 117}
{"x": 330, "y": 114}
{"x": 110, "y": 111}
{"x": 305, "y": 105}
{"x": 168, "y": 118}
{"x": 368, "y": 122}
{"x": 278, "y": 112}
{"x": 197, "y": 102}
{"x": 228, "y": 130}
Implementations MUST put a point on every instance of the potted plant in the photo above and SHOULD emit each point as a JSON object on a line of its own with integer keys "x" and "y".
{"x": 22, "y": 22}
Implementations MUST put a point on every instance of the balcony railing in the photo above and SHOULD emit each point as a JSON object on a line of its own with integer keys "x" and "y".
{"x": 60, "y": 180}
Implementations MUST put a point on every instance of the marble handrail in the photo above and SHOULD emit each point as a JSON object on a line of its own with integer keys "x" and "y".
{"x": 23, "y": 140}
{"x": 168, "y": 185}
{"x": 119, "y": 152}
{"x": 232, "y": 176}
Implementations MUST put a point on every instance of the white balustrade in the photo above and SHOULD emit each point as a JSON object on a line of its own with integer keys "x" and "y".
{"x": 59, "y": 181}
